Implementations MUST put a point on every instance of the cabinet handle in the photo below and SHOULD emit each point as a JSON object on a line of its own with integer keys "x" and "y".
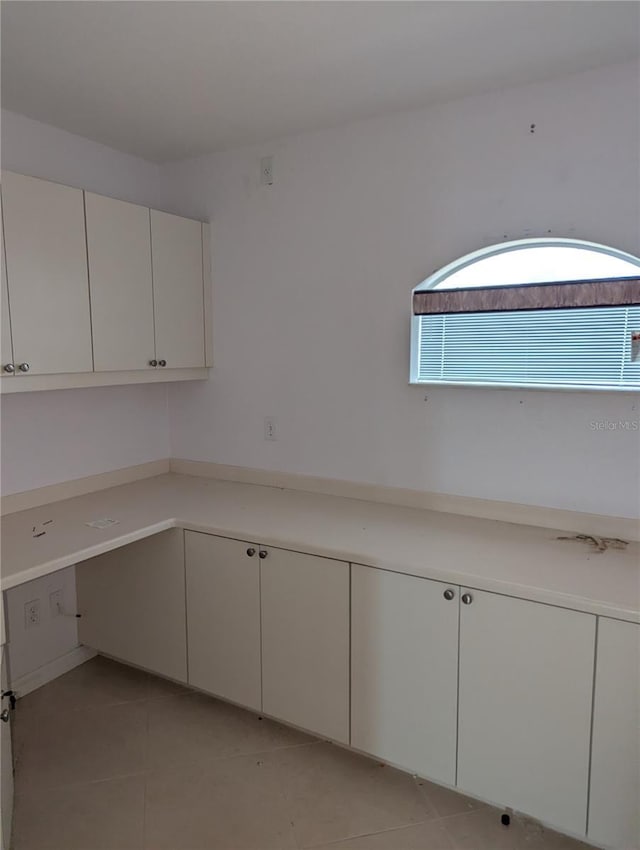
{"x": 263, "y": 554}
{"x": 251, "y": 552}
{"x": 467, "y": 598}
{"x": 162, "y": 362}
{"x": 11, "y": 696}
{"x": 449, "y": 594}
{"x": 24, "y": 367}
{"x": 153, "y": 363}
{"x": 4, "y": 715}
{"x": 10, "y": 368}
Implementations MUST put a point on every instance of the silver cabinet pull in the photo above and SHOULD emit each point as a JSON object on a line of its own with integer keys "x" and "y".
{"x": 24, "y": 367}
{"x": 10, "y": 368}
{"x": 162, "y": 362}
{"x": 449, "y": 594}
{"x": 251, "y": 552}
{"x": 153, "y": 363}
{"x": 4, "y": 715}
{"x": 263, "y": 554}
{"x": 467, "y": 598}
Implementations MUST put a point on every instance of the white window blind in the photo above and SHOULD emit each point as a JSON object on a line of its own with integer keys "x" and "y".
{"x": 577, "y": 348}
{"x": 590, "y": 348}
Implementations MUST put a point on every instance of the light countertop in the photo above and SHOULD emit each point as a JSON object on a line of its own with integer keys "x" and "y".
{"x": 517, "y": 560}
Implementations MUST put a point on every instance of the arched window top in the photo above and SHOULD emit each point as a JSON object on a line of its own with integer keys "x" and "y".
{"x": 528, "y": 261}
{"x": 553, "y": 313}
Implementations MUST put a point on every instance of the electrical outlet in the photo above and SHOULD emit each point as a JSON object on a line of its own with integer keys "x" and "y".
{"x": 270, "y": 428}
{"x": 56, "y": 603}
{"x": 32, "y": 614}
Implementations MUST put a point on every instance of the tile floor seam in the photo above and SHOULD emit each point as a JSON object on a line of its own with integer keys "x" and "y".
{"x": 144, "y": 814}
{"x": 41, "y": 712}
{"x": 43, "y": 789}
{"x": 288, "y": 808}
{"x": 339, "y": 841}
{"x": 520, "y": 843}
{"x": 223, "y": 758}
{"x": 418, "y": 784}
{"x": 461, "y": 814}
{"x": 146, "y": 779}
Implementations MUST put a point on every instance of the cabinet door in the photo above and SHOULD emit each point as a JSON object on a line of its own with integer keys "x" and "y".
{"x": 119, "y": 252}
{"x": 178, "y": 289}
{"x": 5, "y": 341}
{"x": 526, "y": 679}
{"x": 132, "y": 602}
{"x": 614, "y": 807}
{"x": 404, "y": 671}
{"x": 223, "y": 616}
{"x": 305, "y": 642}
{"x": 46, "y": 256}
{"x": 6, "y": 762}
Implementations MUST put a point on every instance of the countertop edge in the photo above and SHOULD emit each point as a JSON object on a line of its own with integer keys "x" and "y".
{"x": 444, "y": 576}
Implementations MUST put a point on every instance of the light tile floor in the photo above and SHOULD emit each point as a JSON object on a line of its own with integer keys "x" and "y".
{"x": 110, "y": 758}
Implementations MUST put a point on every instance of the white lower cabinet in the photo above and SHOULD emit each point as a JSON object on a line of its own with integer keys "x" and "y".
{"x": 305, "y": 641}
{"x": 525, "y": 694}
{"x": 132, "y": 602}
{"x": 614, "y": 801}
{"x": 404, "y": 670}
{"x": 486, "y": 692}
{"x": 223, "y": 605}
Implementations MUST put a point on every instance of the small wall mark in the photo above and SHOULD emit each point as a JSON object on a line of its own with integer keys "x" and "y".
{"x": 599, "y": 544}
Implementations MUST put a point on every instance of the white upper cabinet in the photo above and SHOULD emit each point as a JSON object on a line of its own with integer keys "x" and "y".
{"x": 97, "y": 291}
{"x": 404, "y": 670}
{"x": 46, "y": 259}
{"x": 178, "y": 290}
{"x": 614, "y": 801}
{"x": 7, "y": 364}
{"x": 526, "y": 680}
{"x": 119, "y": 251}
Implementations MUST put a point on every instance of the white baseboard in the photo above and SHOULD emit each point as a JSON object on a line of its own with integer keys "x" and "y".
{"x": 536, "y": 515}
{"x": 48, "y": 672}
{"x": 81, "y": 486}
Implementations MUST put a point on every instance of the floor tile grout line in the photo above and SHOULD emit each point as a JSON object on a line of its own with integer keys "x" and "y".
{"x": 45, "y": 712}
{"x": 146, "y": 778}
{"x": 419, "y": 786}
{"x": 144, "y": 811}
{"x": 290, "y": 813}
{"x": 346, "y": 838}
{"x": 222, "y": 758}
{"x": 149, "y": 769}
{"x": 43, "y": 790}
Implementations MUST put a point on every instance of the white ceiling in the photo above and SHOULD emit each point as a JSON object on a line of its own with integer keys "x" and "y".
{"x": 166, "y": 80}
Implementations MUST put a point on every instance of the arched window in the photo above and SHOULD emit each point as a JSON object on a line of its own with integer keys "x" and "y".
{"x": 555, "y": 313}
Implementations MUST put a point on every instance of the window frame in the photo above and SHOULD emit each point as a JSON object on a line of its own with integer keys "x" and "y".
{"x": 435, "y": 279}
